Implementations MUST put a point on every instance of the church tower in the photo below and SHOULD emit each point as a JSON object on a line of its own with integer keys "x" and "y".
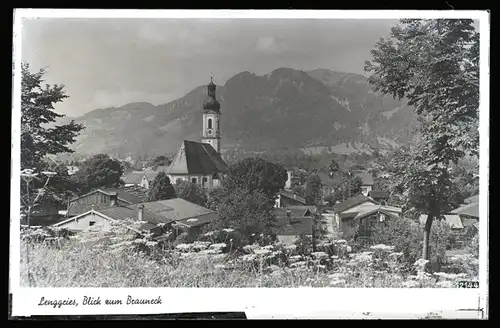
{"x": 211, "y": 119}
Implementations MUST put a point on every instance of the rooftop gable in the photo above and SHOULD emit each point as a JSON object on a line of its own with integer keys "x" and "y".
{"x": 293, "y": 196}
{"x": 197, "y": 158}
{"x": 351, "y": 202}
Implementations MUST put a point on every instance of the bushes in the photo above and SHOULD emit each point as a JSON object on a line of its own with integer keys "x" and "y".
{"x": 407, "y": 237}
{"x": 123, "y": 259}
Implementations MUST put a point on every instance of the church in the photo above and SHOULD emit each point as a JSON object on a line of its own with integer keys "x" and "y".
{"x": 201, "y": 162}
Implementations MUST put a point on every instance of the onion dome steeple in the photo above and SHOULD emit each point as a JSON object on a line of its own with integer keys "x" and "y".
{"x": 211, "y": 104}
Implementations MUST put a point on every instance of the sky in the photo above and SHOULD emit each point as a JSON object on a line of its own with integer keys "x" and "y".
{"x": 112, "y": 62}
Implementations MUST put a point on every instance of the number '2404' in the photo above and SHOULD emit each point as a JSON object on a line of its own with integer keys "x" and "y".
{"x": 468, "y": 284}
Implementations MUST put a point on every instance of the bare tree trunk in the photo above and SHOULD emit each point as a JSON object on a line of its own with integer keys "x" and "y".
{"x": 427, "y": 234}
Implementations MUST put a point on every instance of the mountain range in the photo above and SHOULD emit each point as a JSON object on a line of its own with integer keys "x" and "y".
{"x": 285, "y": 108}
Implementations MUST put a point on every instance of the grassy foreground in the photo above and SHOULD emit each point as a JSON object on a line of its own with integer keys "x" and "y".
{"x": 112, "y": 260}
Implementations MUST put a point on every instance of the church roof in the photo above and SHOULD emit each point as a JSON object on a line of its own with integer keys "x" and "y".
{"x": 197, "y": 158}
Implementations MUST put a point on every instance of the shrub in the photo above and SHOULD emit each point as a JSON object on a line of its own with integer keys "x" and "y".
{"x": 407, "y": 237}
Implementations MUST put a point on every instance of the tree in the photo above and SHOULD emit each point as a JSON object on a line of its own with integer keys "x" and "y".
{"x": 249, "y": 213}
{"x": 192, "y": 193}
{"x": 62, "y": 186}
{"x": 333, "y": 168}
{"x": 355, "y": 184}
{"x": 37, "y": 111}
{"x": 160, "y": 161}
{"x": 435, "y": 65}
{"x": 314, "y": 192}
{"x": 99, "y": 171}
{"x": 161, "y": 188}
{"x": 256, "y": 174}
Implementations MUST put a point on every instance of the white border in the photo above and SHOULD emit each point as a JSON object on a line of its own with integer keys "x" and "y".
{"x": 263, "y": 303}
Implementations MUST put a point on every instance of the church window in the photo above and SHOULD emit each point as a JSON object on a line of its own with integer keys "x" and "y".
{"x": 209, "y": 123}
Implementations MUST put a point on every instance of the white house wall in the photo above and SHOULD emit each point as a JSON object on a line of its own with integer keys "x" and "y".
{"x": 210, "y": 183}
{"x": 83, "y": 223}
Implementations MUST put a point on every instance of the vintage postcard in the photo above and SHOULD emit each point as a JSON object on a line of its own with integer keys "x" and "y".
{"x": 285, "y": 164}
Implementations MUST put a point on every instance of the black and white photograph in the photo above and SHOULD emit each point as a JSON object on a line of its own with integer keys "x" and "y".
{"x": 252, "y": 153}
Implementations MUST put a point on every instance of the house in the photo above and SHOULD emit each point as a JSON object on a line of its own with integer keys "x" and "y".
{"x": 463, "y": 221}
{"x": 133, "y": 178}
{"x": 463, "y": 217}
{"x": 329, "y": 182}
{"x": 101, "y": 198}
{"x": 288, "y": 198}
{"x": 185, "y": 214}
{"x": 379, "y": 195}
{"x": 201, "y": 162}
{"x": 142, "y": 178}
{"x": 159, "y": 217}
{"x": 367, "y": 181}
{"x": 361, "y": 212}
{"x": 104, "y": 218}
{"x": 292, "y": 222}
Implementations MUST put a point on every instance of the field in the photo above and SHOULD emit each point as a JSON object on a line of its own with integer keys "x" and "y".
{"x": 118, "y": 259}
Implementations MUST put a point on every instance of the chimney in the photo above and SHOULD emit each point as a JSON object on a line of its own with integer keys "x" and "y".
{"x": 140, "y": 212}
{"x": 113, "y": 198}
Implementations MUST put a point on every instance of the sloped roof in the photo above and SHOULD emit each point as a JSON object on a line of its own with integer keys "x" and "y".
{"x": 125, "y": 195}
{"x": 133, "y": 177}
{"x": 348, "y": 215}
{"x": 454, "y": 221}
{"x": 122, "y": 213}
{"x": 197, "y": 158}
{"x": 369, "y": 210}
{"x": 140, "y": 192}
{"x": 295, "y": 211}
{"x": 151, "y": 175}
{"x": 291, "y": 195}
{"x": 131, "y": 212}
{"x": 177, "y": 209}
{"x": 469, "y": 210}
{"x": 161, "y": 168}
{"x": 351, "y": 202}
{"x": 200, "y": 220}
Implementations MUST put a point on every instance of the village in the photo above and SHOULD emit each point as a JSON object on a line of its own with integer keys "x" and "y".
{"x": 177, "y": 221}
{"x": 329, "y": 200}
